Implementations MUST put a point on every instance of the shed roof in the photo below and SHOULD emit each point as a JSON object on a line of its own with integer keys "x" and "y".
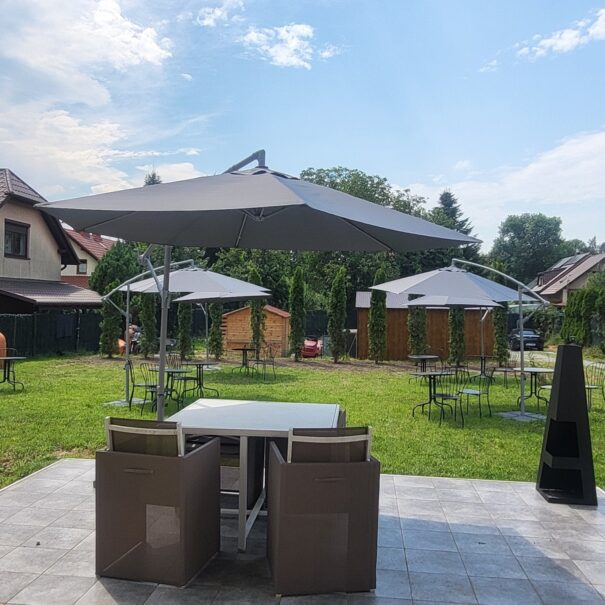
{"x": 96, "y": 245}
{"x": 12, "y": 187}
{"x": 44, "y": 293}
{"x": 394, "y": 301}
{"x": 268, "y": 308}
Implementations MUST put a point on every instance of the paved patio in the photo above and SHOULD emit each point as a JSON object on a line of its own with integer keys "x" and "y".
{"x": 440, "y": 541}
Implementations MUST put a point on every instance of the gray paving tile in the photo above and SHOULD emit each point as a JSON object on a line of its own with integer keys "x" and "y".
{"x": 406, "y": 505}
{"x": 194, "y": 595}
{"x": 493, "y": 486}
{"x": 15, "y": 535}
{"x": 40, "y": 517}
{"x": 519, "y": 513}
{"x": 388, "y": 521}
{"x": 502, "y": 498}
{"x": 493, "y": 566}
{"x": 8, "y": 511}
{"x": 77, "y": 486}
{"x": 108, "y": 591}
{"x": 80, "y": 519}
{"x": 372, "y": 599}
{"x": 60, "y": 472}
{"x": 390, "y": 537}
{"x": 429, "y": 540}
{"x": 450, "y": 483}
{"x": 53, "y": 590}
{"x": 30, "y": 560}
{"x": 471, "y": 509}
{"x": 327, "y": 599}
{"x": 37, "y": 485}
{"x": 416, "y": 493}
{"x": 409, "y": 480}
{"x": 536, "y": 547}
{"x": 425, "y": 523}
{"x": 459, "y": 495}
{"x": 63, "y": 501}
{"x": 79, "y": 564}
{"x": 593, "y": 570}
{"x": 64, "y": 538}
{"x": 515, "y": 527}
{"x": 12, "y": 582}
{"x": 441, "y": 587}
{"x": 5, "y": 549}
{"x": 88, "y": 543}
{"x": 391, "y": 558}
{"x": 584, "y": 550}
{"x": 19, "y": 499}
{"x": 593, "y": 517}
{"x": 505, "y": 591}
{"x": 555, "y": 570}
{"x": 564, "y": 593}
{"x": 472, "y": 525}
{"x": 435, "y": 561}
{"x": 482, "y": 543}
{"x": 395, "y": 584}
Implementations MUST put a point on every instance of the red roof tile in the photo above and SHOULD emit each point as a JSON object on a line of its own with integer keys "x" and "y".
{"x": 96, "y": 245}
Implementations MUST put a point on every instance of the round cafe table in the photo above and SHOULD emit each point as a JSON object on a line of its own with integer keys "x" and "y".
{"x": 199, "y": 372}
{"x": 534, "y": 372}
{"x": 423, "y": 359}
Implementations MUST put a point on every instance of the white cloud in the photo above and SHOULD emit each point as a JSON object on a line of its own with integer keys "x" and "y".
{"x": 73, "y": 44}
{"x": 463, "y": 165}
{"x": 187, "y": 77}
{"x": 288, "y": 45}
{"x": 223, "y": 12}
{"x": 173, "y": 172}
{"x": 565, "y": 40}
{"x": 490, "y": 66}
{"x": 567, "y": 180}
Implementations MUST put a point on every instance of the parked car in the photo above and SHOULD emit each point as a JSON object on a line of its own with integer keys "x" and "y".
{"x": 532, "y": 339}
{"x": 312, "y": 346}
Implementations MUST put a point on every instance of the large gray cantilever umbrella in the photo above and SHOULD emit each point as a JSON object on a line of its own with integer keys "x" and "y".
{"x": 258, "y": 208}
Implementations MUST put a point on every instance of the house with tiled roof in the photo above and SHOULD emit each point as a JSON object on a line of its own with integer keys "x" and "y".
{"x": 568, "y": 274}
{"x": 36, "y": 248}
{"x": 90, "y": 249}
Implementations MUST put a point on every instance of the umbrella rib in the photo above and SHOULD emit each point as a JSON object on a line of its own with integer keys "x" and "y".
{"x": 374, "y": 239}
{"x": 241, "y": 230}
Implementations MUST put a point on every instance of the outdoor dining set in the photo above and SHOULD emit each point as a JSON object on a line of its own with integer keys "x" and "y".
{"x": 160, "y": 494}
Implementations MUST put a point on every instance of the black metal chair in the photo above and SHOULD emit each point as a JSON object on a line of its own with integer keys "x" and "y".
{"x": 594, "y": 378}
{"x": 179, "y": 382}
{"x": 448, "y": 392}
{"x": 149, "y": 384}
{"x": 481, "y": 391}
{"x": 9, "y": 369}
{"x": 264, "y": 360}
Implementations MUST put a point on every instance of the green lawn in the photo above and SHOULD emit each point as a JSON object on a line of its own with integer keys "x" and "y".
{"x": 61, "y": 411}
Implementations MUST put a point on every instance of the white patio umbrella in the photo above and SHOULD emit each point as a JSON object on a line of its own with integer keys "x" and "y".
{"x": 257, "y": 208}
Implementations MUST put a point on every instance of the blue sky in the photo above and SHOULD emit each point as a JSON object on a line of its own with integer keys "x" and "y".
{"x": 502, "y": 102}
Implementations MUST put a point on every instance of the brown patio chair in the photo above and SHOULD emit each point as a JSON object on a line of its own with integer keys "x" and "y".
{"x": 157, "y": 504}
{"x": 323, "y": 512}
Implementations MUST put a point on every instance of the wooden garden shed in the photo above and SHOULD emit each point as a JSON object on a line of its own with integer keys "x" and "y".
{"x": 237, "y": 333}
{"x": 436, "y": 329}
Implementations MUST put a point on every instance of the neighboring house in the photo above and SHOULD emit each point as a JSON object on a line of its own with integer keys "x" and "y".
{"x": 35, "y": 250}
{"x": 90, "y": 249}
{"x": 568, "y": 274}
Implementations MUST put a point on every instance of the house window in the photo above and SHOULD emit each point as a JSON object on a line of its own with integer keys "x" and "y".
{"x": 16, "y": 236}
{"x": 82, "y": 266}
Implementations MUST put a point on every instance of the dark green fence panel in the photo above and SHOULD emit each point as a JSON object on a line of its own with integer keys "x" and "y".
{"x": 52, "y": 333}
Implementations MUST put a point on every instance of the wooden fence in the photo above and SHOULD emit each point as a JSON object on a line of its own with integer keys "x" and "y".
{"x": 436, "y": 333}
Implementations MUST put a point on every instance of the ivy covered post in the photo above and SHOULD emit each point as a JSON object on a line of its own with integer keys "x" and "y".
{"x": 377, "y": 320}
{"x": 149, "y": 341}
{"x": 417, "y": 330}
{"x": 456, "y": 336}
{"x": 337, "y": 314}
{"x": 500, "y": 334}
{"x": 297, "y": 313}
{"x": 111, "y": 324}
{"x": 257, "y": 312}
{"x": 215, "y": 337}
{"x": 184, "y": 321}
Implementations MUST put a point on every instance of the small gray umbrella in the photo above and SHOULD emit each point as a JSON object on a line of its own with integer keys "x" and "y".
{"x": 466, "y": 302}
{"x": 257, "y": 208}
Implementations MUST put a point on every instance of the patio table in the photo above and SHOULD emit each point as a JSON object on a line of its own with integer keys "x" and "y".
{"x": 170, "y": 374}
{"x": 423, "y": 359}
{"x": 534, "y": 372}
{"x": 199, "y": 373}
{"x": 244, "y": 419}
{"x": 482, "y": 365}
{"x": 432, "y": 381}
{"x": 245, "y": 364}
{"x": 7, "y": 372}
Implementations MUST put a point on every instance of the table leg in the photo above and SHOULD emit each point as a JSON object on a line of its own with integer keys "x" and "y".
{"x": 201, "y": 383}
{"x": 243, "y": 493}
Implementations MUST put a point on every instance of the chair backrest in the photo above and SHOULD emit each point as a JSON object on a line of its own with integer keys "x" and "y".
{"x": 149, "y": 376}
{"x": 137, "y": 436}
{"x": 173, "y": 360}
{"x": 130, "y": 370}
{"x": 595, "y": 374}
{"x": 452, "y": 381}
{"x": 352, "y": 444}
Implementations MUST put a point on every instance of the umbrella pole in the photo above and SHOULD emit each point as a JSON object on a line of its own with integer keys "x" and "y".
{"x": 205, "y": 307}
{"x": 521, "y": 353}
{"x": 165, "y": 298}
{"x": 127, "y": 351}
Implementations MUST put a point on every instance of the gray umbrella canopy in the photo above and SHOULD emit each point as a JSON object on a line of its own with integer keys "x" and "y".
{"x": 465, "y": 302}
{"x": 251, "y": 209}
{"x": 454, "y": 282}
{"x": 197, "y": 280}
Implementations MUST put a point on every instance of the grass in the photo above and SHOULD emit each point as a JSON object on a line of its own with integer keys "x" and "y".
{"x": 61, "y": 411}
